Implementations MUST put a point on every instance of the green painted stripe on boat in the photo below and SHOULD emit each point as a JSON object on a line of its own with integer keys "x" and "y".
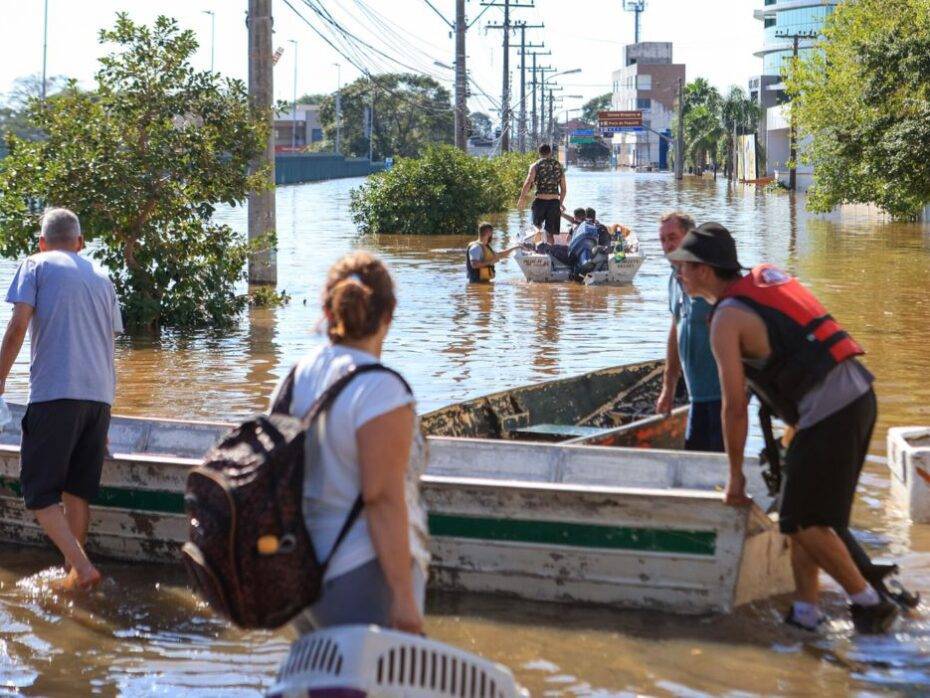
{"x": 575, "y": 535}
{"x": 471, "y": 527}
{"x": 149, "y": 501}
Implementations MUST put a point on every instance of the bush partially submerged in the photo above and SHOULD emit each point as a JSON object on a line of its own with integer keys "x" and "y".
{"x": 443, "y": 192}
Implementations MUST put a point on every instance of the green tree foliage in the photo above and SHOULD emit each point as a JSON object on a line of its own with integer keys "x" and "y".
{"x": 590, "y": 108}
{"x": 13, "y": 112}
{"x": 143, "y": 160}
{"x": 593, "y": 152}
{"x": 411, "y": 112}
{"x": 443, "y": 192}
{"x": 739, "y": 116}
{"x": 864, "y": 99}
{"x": 480, "y": 124}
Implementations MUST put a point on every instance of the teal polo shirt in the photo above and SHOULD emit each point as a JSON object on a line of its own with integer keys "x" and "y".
{"x": 692, "y": 316}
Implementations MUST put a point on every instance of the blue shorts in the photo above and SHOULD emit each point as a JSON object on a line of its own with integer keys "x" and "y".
{"x": 705, "y": 428}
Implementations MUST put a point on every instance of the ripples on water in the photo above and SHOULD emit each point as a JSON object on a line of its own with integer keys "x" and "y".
{"x": 144, "y": 633}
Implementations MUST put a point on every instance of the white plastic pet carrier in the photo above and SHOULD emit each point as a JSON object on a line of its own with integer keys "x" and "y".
{"x": 364, "y": 660}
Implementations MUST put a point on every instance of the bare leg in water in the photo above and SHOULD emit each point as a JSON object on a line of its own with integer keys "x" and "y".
{"x": 83, "y": 575}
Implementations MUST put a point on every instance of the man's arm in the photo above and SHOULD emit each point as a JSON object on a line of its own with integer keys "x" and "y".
{"x": 563, "y": 188}
{"x": 725, "y": 343}
{"x": 13, "y": 340}
{"x": 672, "y": 372}
{"x": 527, "y": 185}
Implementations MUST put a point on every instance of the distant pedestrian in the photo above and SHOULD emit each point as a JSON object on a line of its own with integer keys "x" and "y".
{"x": 72, "y": 313}
{"x": 548, "y": 176}
{"x": 369, "y": 444}
{"x": 480, "y": 257}
{"x": 688, "y": 350}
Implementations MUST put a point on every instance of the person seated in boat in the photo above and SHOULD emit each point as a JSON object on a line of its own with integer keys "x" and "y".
{"x": 371, "y": 451}
{"x": 574, "y": 220}
{"x": 480, "y": 257}
{"x": 71, "y": 311}
{"x": 603, "y": 234}
{"x": 770, "y": 333}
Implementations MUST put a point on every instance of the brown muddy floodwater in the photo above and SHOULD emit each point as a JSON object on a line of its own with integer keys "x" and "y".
{"x": 144, "y": 633}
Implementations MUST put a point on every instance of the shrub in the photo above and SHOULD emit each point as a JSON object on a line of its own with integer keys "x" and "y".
{"x": 443, "y": 192}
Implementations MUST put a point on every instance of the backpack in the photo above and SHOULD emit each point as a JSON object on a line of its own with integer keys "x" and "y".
{"x": 249, "y": 552}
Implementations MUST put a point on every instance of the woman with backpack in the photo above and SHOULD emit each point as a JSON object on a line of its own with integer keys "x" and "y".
{"x": 367, "y": 443}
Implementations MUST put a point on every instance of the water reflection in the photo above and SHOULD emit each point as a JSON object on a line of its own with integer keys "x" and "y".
{"x": 148, "y": 634}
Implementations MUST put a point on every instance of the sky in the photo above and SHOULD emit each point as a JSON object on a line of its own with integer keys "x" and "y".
{"x": 714, "y": 38}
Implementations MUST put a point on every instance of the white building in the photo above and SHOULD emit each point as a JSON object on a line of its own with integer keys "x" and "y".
{"x": 647, "y": 82}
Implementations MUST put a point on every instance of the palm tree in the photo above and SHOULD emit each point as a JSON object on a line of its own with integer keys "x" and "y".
{"x": 739, "y": 116}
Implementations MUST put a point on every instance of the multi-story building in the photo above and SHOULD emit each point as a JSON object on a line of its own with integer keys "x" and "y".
{"x": 307, "y": 127}
{"x": 647, "y": 82}
{"x": 780, "y": 19}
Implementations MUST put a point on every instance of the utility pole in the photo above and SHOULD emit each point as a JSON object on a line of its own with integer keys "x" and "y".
{"x": 680, "y": 143}
{"x": 461, "y": 85}
{"x": 338, "y": 103}
{"x": 505, "y": 92}
{"x": 44, "y": 50}
{"x": 793, "y": 131}
{"x": 371, "y": 120}
{"x": 263, "y": 267}
{"x": 294, "y": 110}
{"x": 521, "y": 128}
{"x": 212, "y": 36}
{"x": 637, "y": 7}
{"x": 541, "y": 137}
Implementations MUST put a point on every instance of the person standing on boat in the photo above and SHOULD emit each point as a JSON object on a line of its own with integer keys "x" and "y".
{"x": 688, "y": 351}
{"x": 71, "y": 311}
{"x": 368, "y": 443}
{"x": 548, "y": 175}
{"x": 771, "y": 333}
{"x": 480, "y": 257}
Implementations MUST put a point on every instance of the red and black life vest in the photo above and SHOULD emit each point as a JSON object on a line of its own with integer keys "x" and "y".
{"x": 807, "y": 343}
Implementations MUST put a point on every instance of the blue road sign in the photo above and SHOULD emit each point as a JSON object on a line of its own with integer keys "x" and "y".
{"x": 583, "y": 132}
{"x": 622, "y": 129}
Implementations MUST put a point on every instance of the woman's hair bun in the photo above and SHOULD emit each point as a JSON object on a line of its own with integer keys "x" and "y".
{"x": 358, "y": 297}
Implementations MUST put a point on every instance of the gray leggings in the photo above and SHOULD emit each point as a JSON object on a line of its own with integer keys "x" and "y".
{"x": 360, "y": 596}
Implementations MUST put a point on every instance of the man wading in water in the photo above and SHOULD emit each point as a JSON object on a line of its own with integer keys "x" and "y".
{"x": 548, "y": 175}
{"x": 71, "y": 311}
{"x": 771, "y": 332}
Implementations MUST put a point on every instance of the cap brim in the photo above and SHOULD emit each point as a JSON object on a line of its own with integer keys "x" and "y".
{"x": 683, "y": 255}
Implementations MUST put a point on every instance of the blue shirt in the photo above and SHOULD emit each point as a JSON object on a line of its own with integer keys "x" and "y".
{"x": 697, "y": 361}
{"x": 71, "y": 331}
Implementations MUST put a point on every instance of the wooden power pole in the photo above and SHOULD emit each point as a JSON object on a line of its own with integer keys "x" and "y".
{"x": 680, "y": 141}
{"x": 792, "y": 131}
{"x": 263, "y": 267}
{"x": 506, "y": 27}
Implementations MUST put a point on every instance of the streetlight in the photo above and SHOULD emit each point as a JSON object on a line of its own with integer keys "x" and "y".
{"x": 294, "y": 114}
{"x": 44, "y": 49}
{"x": 212, "y": 35}
{"x": 338, "y": 102}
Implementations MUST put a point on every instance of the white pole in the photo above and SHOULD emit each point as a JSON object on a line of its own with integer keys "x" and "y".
{"x": 212, "y": 36}
{"x": 338, "y": 102}
{"x": 44, "y": 48}
{"x": 294, "y": 111}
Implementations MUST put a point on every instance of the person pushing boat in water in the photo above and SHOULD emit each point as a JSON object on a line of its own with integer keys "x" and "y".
{"x": 771, "y": 333}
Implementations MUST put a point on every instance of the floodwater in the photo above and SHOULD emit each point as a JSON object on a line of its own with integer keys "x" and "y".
{"x": 144, "y": 633}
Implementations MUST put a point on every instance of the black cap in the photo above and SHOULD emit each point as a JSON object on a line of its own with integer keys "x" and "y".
{"x": 710, "y": 244}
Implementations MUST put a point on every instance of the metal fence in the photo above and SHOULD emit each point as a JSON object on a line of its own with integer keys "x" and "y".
{"x": 299, "y": 167}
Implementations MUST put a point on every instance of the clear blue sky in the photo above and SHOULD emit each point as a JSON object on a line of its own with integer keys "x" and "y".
{"x": 715, "y": 38}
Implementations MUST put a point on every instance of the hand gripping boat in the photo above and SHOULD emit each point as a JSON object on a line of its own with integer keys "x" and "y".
{"x": 363, "y": 660}
{"x": 621, "y": 267}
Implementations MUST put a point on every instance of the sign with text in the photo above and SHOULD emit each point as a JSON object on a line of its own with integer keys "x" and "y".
{"x": 620, "y": 119}
{"x": 583, "y": 132}
{"x": 583, "y": 139}
{"x": 622, "y": 129}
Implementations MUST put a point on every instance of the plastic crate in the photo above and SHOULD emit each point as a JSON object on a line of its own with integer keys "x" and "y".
{"x": 364, "y": 660}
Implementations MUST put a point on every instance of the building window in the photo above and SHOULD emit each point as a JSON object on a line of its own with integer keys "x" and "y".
{"x": 644, "y": 82}
{"x": 643, "y": 103}
{"x": 769, "y": 22}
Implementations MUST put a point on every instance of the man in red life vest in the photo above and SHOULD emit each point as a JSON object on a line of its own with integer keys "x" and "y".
{"x": 771, "y": 333}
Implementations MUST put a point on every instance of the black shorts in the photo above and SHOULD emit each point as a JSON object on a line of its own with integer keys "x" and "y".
{"x": 547, "y": 214}
{"x": 822, "y": 468}
{"x": 63, "y": 447}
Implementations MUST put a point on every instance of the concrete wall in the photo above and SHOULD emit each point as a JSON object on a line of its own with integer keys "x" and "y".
{"x": 315, "y": 167}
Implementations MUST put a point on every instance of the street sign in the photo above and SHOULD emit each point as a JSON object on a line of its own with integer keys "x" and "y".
{"x": 622, "y": 129}
{"x": 583, "y": 139}
{"x": 615, "y": 119}
{"x": 583, "y": 132}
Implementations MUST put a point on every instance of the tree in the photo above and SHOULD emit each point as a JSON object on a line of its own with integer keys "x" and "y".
{"x": 143, "y": 160}
{"x": 411, "y": 112}
{"x": 13, "y": 117}
{"x": 864, "y": 101}
{"x": 481, "y": 125}
{"x": 739, "y": 116}
{"x": 590, "y": 108}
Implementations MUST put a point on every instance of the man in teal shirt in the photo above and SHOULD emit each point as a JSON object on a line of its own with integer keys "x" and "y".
{"x": 688, "y": 350}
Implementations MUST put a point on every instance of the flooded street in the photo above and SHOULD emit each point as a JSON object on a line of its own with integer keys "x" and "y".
{"x": 143, "y": 632}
